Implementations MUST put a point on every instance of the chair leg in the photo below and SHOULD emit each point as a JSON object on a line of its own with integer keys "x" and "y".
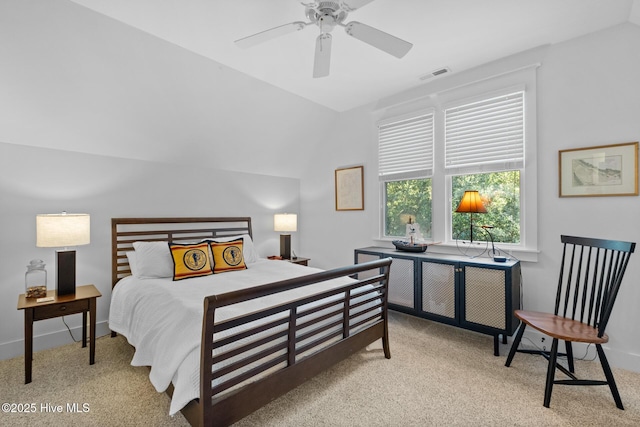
{"x": 569, "y": 349}
{"x": 609, "y": 375}
{"x": 551, "y": 372}
{"x": 515, "y": 344}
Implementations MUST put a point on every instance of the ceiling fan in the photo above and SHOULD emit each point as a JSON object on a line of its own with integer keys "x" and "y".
{"x": 327, "y": 15}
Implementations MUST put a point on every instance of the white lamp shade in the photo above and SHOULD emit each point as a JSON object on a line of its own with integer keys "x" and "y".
{"x": 285, "y": 222}
{"x": 62, "y": 230}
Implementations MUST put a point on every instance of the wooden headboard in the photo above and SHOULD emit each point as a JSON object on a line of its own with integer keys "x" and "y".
{"x": 125, "y": 231}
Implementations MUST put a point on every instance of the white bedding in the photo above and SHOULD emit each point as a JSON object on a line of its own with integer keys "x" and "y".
{"x": 162, "y": 319}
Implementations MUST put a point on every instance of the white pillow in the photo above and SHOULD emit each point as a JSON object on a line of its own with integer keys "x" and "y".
{"x": 153, "y": 259}
{"x": 248, "y": 250}
{"x": 131, "y": 257}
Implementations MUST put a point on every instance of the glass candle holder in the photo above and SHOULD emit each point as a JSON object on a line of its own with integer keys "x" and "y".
{"x": 35, "y": 279}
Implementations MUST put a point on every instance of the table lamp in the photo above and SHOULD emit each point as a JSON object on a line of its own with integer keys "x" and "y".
{"x": 61, "y": 231}
{"x": 285, "y": 223}
{"x": 471, "y": 203}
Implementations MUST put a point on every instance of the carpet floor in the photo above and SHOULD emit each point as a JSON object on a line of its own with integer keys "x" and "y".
{"x": 437, "y": 376}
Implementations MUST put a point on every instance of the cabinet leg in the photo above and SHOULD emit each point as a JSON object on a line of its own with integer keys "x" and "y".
{"x": 496, "y": 346}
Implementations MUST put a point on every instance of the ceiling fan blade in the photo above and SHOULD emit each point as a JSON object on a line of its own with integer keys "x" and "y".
{"x": 272, "y": 33}
{"x": 379, "y": 39}
{"x": 351, "y": 5}
{"x": 322, "y": 59}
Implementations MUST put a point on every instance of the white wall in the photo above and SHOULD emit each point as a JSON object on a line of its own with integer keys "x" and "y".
{"x": 98, "y": 117}
{"x": 80, "y": 81}
{"x": 587, "y": 95}
{"x": 329, "y": 236}
{"x": 40, "y": 180}
{"x": 141, "y": 108}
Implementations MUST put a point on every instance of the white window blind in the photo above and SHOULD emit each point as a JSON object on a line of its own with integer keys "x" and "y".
{"x": 405, "y": 147}
{"x": 490, "y": 131}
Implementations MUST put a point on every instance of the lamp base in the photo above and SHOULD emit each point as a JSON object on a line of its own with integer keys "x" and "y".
{"x": 65, "y": 272}
{"x": 285, "y": 246}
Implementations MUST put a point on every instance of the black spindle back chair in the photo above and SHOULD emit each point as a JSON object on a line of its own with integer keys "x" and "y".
{"x": 591, "y": 272}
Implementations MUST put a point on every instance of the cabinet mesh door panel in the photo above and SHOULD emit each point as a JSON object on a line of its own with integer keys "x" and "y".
{"x": 485, "y": 296}
{"x": 438, "y": 289}
{"x": 362, "y": 258}
{"x": 401, "y": 282}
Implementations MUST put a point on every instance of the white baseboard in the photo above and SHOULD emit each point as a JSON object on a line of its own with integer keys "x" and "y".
{"x": 55, "y": 339}
{"x": 621, "y": 359}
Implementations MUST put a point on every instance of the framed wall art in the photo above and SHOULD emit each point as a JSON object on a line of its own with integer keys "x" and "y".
{"x": 605, "y": 170}
{"x": 350, "y": 189}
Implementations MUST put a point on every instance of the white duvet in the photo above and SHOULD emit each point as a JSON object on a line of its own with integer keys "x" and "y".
{"x": 162, "y": 319}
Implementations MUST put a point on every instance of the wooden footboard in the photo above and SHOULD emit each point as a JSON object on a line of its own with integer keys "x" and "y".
{"x": 305, "y": 337}
{"x": 250, "y": 360}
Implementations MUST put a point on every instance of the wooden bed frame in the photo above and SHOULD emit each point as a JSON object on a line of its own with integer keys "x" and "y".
{"x": 278, "y": 366}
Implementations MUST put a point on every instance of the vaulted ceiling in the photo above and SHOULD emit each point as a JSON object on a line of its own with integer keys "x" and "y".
{"x": 452, "y": 34}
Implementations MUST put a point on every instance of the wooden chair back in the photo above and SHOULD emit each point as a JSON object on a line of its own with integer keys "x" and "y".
{"x": 590, "y": 277}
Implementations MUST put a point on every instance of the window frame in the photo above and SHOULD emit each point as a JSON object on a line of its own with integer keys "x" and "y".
{"x": 415, "y": 174}
{"x": 383, "y": 197}
{"x": 450, "y": 209}
{"x": 523, "y": 78}
{"x": 489, "y": 167}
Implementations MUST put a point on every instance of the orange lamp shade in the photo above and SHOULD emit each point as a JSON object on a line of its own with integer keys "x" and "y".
{"x": 471, "y": 203}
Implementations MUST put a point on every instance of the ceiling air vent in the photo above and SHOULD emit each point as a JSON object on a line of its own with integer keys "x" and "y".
{"x": 435, "y": 73}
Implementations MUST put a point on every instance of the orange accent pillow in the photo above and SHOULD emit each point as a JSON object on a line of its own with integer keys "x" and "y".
{"x": 227, "y": 256}
{"x": 190, "y": 260}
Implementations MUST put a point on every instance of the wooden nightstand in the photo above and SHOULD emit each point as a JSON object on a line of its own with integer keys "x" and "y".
{"x": 299, "y": 260}
{"x": 83, "y": 301}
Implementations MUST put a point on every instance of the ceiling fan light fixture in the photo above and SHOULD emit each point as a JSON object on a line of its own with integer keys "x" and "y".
{"x": 326, "y": 23}
{"x": 326, "y": 15}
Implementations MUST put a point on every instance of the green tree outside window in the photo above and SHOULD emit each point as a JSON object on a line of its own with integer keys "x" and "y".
{"x": 411, "y": 197}
{"x": 500, "y": 192}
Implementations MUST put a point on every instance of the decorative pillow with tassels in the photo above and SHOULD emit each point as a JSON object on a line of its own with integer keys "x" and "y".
{"x": 227, "y": 256}
{"x": 190, "y": 260}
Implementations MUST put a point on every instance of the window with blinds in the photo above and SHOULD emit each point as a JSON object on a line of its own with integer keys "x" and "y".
{"x": 405, "y": 147}
{"x": 405, "y": 164}
{"x": 490, "y": 131}
{"x": 469, "y": 143}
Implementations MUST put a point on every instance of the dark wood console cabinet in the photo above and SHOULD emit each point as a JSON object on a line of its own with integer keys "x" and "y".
{"x": 478, "y": 294}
